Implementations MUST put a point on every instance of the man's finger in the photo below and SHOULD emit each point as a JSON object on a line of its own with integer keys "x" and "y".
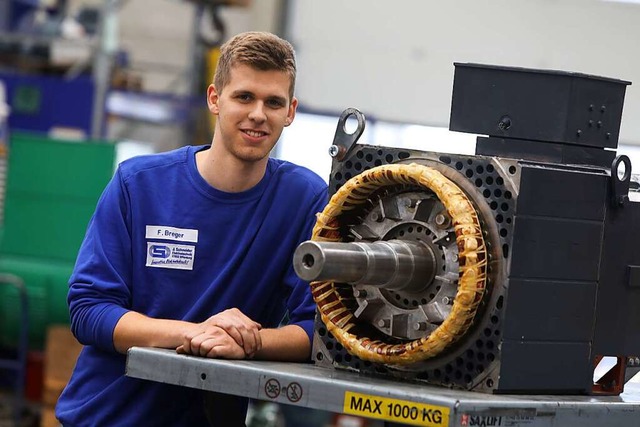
{"x": 231, "y": 351}
{"x": 196, "y": 343}
{"x": 234, "y": 333}
{"x": 206, "y": 346}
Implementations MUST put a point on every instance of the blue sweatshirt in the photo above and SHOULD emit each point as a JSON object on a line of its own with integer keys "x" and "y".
{"x": 164, "y": 243}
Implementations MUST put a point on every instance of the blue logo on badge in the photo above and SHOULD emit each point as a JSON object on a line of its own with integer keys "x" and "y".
{"x": 160, "y": 251}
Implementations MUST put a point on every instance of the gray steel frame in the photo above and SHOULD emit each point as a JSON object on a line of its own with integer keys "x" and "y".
{"x": 315, "y": 387}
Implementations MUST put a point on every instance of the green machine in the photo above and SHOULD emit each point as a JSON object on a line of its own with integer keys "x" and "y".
{"x": 52, "y": 189}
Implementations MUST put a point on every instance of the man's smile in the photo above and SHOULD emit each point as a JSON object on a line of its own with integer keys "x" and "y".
{"x": 254, "y": 133}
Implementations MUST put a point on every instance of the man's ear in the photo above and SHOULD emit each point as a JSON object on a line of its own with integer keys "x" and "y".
{"x": 291, "y": 114}
{"x": 212, "y": 99}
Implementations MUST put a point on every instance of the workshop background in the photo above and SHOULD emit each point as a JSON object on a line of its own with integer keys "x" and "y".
{"x": 87, "y": 84}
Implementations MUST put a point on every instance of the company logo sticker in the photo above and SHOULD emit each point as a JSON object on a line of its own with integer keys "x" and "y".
{"x": 159, "y": 251}
{"x": 168, "y": 255}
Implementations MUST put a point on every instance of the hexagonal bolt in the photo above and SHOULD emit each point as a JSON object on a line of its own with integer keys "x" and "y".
{"x": 442, "y": 220}
{"x": 360, "y": 293}
{"x": 377, "y": 216}
{"x": 420, "y": 326}
{"x": 447, "y": 300}
{"x": 384, "y": 323}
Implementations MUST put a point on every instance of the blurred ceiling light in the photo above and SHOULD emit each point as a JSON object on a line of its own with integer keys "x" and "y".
{"x": 624, "y": 1}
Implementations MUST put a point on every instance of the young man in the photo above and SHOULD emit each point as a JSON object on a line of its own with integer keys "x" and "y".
{"x": 192, "y": 250}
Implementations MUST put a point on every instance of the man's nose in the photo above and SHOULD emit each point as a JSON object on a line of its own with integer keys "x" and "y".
{"x": 257, "y": 112}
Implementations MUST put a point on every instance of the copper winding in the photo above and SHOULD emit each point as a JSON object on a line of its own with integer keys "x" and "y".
{"x": 471, "y": 255}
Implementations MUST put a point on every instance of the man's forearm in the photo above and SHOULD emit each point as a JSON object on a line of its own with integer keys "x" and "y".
{"x": 289, "y": 343}
{"x": 135, "y": 329}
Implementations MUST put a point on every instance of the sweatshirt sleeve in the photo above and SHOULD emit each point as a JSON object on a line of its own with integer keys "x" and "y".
{"x": 99, "y": 287}
{"x": 301, "y": 306}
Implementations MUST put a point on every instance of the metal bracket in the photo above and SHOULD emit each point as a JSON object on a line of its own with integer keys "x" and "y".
{"x": 612, "y": 382}
{"x": 344, "y": 141}
{"x": 620, "y": 185}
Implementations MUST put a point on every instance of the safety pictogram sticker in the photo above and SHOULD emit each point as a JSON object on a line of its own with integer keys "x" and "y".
{"x": 294, "y": 392}
{"x": 272, "y": 388}
{"x": 283, "y": 390}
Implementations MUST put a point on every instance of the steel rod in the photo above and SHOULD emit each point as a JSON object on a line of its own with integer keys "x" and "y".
{"x": 393, "y": 264}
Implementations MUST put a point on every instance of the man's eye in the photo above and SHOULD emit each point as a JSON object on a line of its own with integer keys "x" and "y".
{"x": 244, "y": 97}
{"x": 275, "y": 103}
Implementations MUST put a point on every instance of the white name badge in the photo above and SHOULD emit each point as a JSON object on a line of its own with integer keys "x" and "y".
{"x": 172, "y": 233}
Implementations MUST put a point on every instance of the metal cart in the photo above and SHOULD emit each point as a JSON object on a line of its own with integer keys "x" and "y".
{"x": 347, "y": 392}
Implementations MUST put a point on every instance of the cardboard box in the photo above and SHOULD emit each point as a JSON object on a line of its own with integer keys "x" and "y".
{"x": 48, "y": 418}
{"x": 52, "y": 390}
{"x": 61, "y": 352}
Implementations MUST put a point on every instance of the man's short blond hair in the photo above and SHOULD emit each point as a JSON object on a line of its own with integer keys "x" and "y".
{"x": 259, "y": 50}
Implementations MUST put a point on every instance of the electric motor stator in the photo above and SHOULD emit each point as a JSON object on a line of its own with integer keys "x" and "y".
{"x": 495, "y": 272}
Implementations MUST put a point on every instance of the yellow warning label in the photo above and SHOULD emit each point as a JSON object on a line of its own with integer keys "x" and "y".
{"x": 403, "y": 411}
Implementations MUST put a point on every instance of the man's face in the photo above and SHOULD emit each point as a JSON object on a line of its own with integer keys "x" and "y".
{"x": 252, "y": 110}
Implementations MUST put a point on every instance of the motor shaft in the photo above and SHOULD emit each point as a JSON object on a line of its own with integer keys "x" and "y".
{"x": 394, "y": 264}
